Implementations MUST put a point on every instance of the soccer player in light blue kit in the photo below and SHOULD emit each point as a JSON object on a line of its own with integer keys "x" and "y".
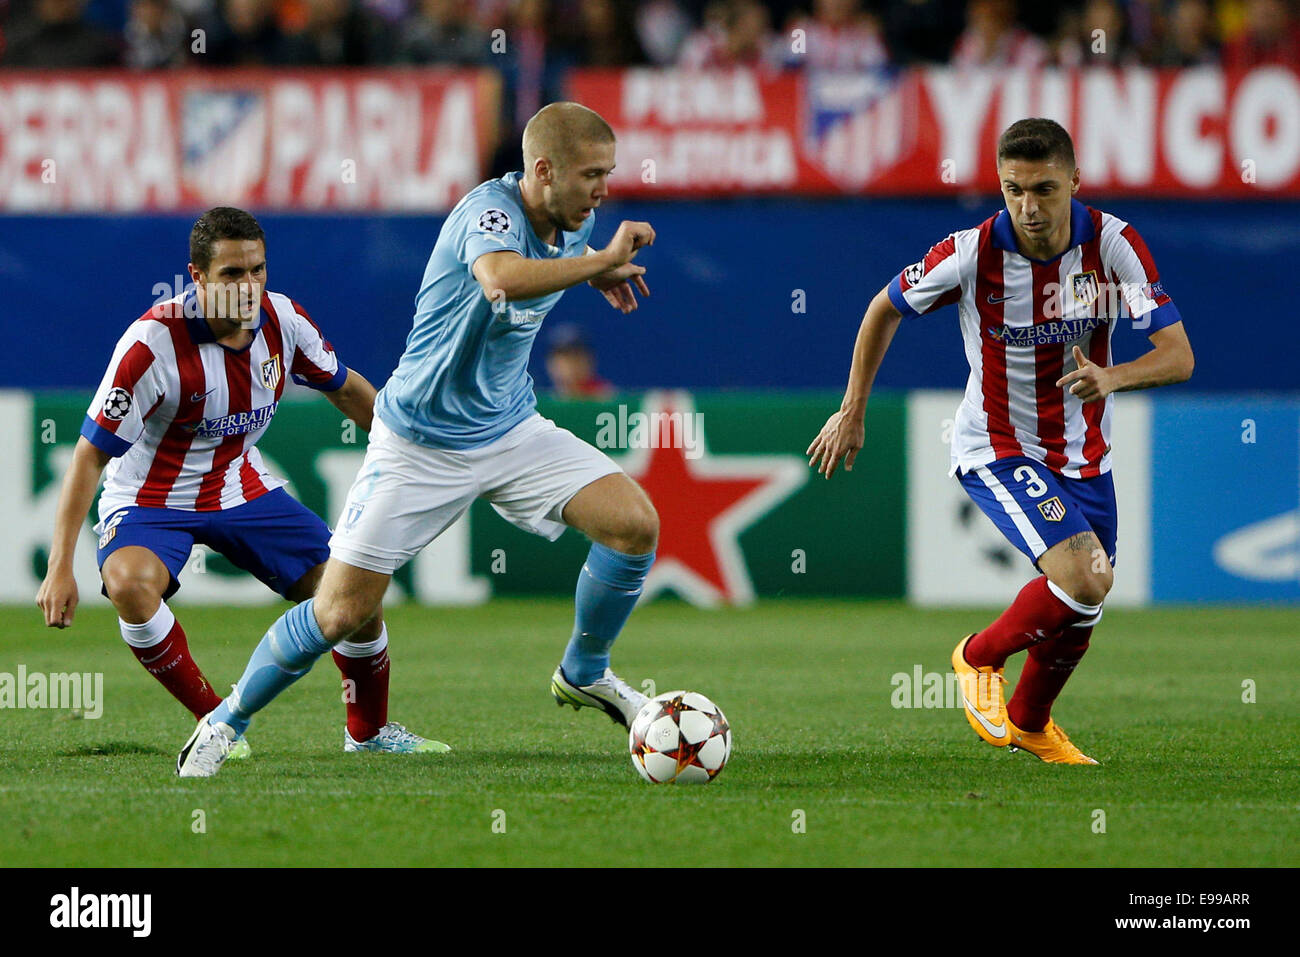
{"x": 457, "y": 420}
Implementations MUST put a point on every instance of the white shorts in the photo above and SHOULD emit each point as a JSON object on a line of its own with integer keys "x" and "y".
{"x": 406, "y": 495}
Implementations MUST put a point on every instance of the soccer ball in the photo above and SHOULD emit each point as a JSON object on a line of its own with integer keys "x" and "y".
{"x": 680, "y": 737}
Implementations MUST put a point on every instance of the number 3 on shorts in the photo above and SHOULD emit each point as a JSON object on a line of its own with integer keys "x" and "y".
{"x": 1034, "y": 485}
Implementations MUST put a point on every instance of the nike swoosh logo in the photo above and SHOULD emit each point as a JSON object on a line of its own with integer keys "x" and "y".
{"x": 200, "y": 396}
{"x": 997, "y": 730}
{"x": 994, "y": 301}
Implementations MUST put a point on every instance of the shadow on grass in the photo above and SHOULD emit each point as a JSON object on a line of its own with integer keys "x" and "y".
{"x": 525, "y": 758}
{"x": 109, "y": 749}
{"x": 822, "y": 767}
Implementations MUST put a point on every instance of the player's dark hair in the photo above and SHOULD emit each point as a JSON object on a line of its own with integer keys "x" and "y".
{"x": 222, "y": 222}
{"x": 1036, "y": 140}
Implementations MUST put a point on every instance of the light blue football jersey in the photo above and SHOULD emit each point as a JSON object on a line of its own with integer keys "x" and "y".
{"x": 463, "y": 380}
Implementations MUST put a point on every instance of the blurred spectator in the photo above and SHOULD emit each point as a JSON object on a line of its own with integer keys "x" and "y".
{"x": 993, "y": 38}
{"x": 924, "y": 30}
{"x": 442, "y": 31}
{"x": 336, "y": 33}
{"x": 1230, "y": 18}
{"x": 1271, "y": 35}
{"x": 242, "y": 33}
{"x": 1144, "y": 22}
{"x": 107, "y": 15}
{"x": 526, "y": 59}
{"x": 533, "y": 67}
{"x": 711, "y": 34}
{"x": 662, "y": 26}
{"x": 606, "y": 34}
{"x": 56, "y": 36}
{"x": 193, "y": 11}
{"x": 571, "y": 366}
{"x": 838, "y": 36}
{"x": 1189, "y": 36}
{"x": 489, "y": 14}
{"x": 389, "y": 12}
{"x": 735, "y": 33}
{"x": 1098, "y": 36}
{"x": 155, "y": 35}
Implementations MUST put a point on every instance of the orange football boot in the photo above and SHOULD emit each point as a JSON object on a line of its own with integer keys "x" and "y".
{"x": 1050, "y": 744}
{"x": 981, "y": 693}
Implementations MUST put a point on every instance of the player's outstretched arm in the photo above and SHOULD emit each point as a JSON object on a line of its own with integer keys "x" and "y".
{"x": 58, "y": 594}
{"x": 355, "y": 398}
{"x": 508, "y": 275}
{"x": 844, "y": 433}
{"x": 1169, "y": 361}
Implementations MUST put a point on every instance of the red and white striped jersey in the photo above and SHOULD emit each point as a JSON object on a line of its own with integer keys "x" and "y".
{"x": 857, "y": 45}
{"x": 1016, "y": 48}
{"x": 181, "y": 414}
{"x": 1020, "y": 319}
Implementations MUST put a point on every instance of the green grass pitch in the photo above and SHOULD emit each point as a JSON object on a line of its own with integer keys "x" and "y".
{"x": 824, "y": 771}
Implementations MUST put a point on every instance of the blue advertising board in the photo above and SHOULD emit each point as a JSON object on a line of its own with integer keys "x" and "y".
{"x": 746, "y": 294}
{"x": 1225, "y": 499}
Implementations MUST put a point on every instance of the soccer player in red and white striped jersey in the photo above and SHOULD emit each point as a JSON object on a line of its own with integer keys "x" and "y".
{"x": 191, "y": 387}
{"x": 181, "y": 411}
{"x": 1040, "y": 288}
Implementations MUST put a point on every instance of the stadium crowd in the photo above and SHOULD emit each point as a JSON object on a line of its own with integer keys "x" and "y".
{"x": 539, "y": 39}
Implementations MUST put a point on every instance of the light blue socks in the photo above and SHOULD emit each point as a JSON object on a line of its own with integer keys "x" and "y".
{"x": 608, "y": 587}
{"x": 284, "y": 655}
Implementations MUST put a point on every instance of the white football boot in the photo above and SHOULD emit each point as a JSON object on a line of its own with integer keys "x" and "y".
{"x": 610, "y": 693}
{"x": 206, "y": 750}
{"x": 394, "y": 739}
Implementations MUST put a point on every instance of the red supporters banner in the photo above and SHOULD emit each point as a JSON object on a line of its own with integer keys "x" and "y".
{"x": 417, "y": 140}
{"x": 310, "y": 140}
{"x": 934, "y": 131}
{"x": 683, "y": 132}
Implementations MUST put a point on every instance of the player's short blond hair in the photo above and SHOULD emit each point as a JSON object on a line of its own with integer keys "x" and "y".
{"x": 558, "y": 129}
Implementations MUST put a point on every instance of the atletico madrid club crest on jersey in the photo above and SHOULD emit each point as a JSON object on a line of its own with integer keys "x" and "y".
{"x": 110, "y": 529}
{"x": 1085, "y": 287}
{"x": 271, "y": 370}
{"x": 1052, "y": 509}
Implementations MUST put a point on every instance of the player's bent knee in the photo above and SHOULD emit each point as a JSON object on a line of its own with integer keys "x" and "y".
{"x": 1091, "y": 588}
{"x": 1103, "y": 581}
{"x": 1080, "y": 568}
{"x": 131, "y": 594}
{"x": 369, "y": 629}
{"x": 638, "y": 530}
{"x": 340, "y": 620}
{"x": 1091, "y": 595}
{"x": 646, "y": 531}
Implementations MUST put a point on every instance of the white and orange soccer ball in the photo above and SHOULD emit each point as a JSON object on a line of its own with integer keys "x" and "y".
{"x": 679, "y": 737}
